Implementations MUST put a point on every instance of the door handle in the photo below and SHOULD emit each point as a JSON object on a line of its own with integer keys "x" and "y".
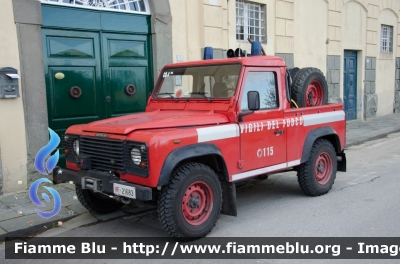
{"x": 108, "y": 99}
{"x": 279, "y": 132}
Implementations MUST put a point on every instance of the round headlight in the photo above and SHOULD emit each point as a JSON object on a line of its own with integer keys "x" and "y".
{"x": 76, "y": 146}
{"x": 136, "y": 156}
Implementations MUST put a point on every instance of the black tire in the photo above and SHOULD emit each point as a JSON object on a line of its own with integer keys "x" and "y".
{"x": 306, "y": 81}
{"x": 96, "y": 203}
{"x": 293, "y": 71}
{"x": 172, "y": 209}
{"x": 312, "y": 180}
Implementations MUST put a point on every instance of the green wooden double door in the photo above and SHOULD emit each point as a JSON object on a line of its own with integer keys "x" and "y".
{"x": 94, "y": 75}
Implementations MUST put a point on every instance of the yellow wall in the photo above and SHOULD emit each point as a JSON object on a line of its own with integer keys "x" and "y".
{"x": 308, "y": 29}
{"x": 12, "y": 126}
{"x": 200, "y": 23}
{"x": 196, "y": 24}
{"x": 385, "y": 65}
{"x": 352, "y": 32}
{"x": 353, "y": 27}
{"x": 310, "y": 34}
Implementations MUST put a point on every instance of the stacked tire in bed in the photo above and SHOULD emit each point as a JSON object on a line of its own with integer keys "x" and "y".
{"x": 308, "y": 87}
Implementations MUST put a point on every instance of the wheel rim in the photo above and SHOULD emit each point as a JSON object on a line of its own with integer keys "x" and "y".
{"x": 323, "y": 168}
{"x": 197, "y": 203}
{"x": 315, "y": 91}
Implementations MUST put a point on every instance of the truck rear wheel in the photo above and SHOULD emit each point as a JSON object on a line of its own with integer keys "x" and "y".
{"x": 97, "y": 203}
{"x": 309, "y": 88}
{"x": 189, "y": 206}
{"x": 317, "y": 175}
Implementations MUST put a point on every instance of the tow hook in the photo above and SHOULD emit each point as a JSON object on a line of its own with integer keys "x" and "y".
{"x": 125, "y": 200}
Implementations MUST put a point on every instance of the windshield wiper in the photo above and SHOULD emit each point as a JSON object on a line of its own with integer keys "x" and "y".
{"x": 170, "y": 94}
{"x": 203, "y": 94}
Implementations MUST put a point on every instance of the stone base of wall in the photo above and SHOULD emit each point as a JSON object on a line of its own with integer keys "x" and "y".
{"x": 1, "y": 176}
{"x": 397, "y": 102}
{"x": 397, "y": 88}
{"x": 33, "y": 174}
{"x": 370, "y": 105}
{"x": 370, "y": 98}
{"x": 335, "y": 100}
{"x": 333, "y": 78}
{"x": 217, "y": 53}
{"x": 288, "y": 58}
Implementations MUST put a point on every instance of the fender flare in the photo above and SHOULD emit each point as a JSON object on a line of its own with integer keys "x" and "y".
{"x": 314, "y": 135}
{"x": 187, "y": 152}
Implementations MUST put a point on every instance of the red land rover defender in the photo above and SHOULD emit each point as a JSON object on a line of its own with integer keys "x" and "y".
{"x": 207, "y": 125}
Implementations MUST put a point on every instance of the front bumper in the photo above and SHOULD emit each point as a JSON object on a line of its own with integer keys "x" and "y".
{"x": 98, "y": 181}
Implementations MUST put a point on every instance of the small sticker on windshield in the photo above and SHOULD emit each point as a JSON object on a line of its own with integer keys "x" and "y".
{"x": 166, "y": 74}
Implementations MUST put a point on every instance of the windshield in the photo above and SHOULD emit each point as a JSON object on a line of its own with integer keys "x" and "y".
{"x": 219, "y": 81}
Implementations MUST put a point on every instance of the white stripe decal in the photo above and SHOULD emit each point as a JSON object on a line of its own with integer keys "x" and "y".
{"x": 217, "y": 132}
{"x": 248, "y": 174}
{"x": 260, "y": 171}
{"x": 293, "y": 163}
{"x": 322, "y": 118}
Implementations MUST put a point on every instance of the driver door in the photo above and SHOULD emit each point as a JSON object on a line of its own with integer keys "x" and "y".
{"x": 262, "y": 134}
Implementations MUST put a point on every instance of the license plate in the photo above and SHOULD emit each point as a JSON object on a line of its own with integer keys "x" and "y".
{"x": 123, "y": 190}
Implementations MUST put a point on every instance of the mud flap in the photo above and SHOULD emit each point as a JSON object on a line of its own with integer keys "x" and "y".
{"x": 228, "y": 198}
{"x": 342, "y": 163}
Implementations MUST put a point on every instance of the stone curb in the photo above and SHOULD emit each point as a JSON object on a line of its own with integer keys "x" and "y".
{"x": 27, "y": 231}
{"x": 372, "y": 138}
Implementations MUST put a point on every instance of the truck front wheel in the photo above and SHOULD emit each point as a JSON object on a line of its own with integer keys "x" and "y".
{"x": 317, "y": 175}
{"x": 96, "y": 203}
{"x": 189, "y": 206}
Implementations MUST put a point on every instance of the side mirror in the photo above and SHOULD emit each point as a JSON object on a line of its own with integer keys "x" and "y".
{"x": 253, "y": 100}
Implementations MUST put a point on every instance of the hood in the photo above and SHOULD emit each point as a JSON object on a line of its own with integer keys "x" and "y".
{"x": 157, "y": 119}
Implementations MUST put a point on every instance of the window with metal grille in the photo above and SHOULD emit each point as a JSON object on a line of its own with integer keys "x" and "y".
{"x": 250, "y": 21}
{"x": 386, "y": 38}
{"x": 123, "y": 5}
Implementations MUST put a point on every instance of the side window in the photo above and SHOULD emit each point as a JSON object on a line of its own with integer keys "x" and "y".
{"x": 265, "y": 84}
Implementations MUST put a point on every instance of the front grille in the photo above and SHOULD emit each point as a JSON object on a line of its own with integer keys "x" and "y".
{"x": 106, "y": 154}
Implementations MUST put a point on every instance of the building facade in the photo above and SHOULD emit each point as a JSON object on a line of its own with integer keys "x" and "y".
{"x": 83, "y": 60}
